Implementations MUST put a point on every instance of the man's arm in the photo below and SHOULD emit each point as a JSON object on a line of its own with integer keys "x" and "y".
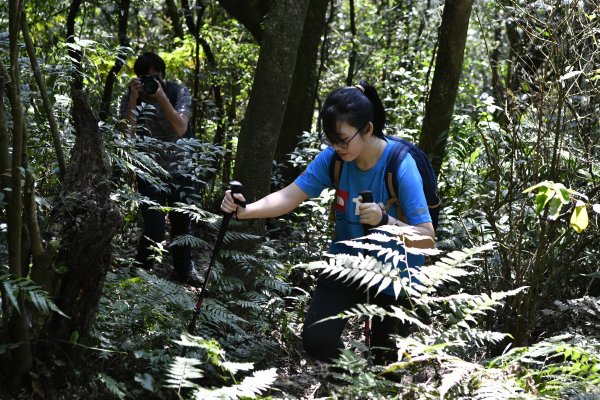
{"x": 179, "y": 121}
{"x": 128, "y": 112}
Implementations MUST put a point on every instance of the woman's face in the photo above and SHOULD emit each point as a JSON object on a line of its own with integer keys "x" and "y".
{"x": 352, "y": 140}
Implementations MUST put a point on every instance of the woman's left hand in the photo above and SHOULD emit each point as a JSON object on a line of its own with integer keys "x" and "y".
{"x": 370, "y": 214}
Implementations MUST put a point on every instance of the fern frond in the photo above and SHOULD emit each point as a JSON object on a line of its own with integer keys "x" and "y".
{"x": 34, "y": 293}
{"x": 230, "y": 284}
{"x": 233, "y": 236}
{"x": 196, "y": 213}
{"x": 465, "y": 307}
{"x": 190, "y": 240}
{"x": 275, "y": 284}
{"x": 409, "y": 316}
{"x": 116, "y": 388}
{"x": 459, "y": 372}
{"x": 243, "y": 260}
{"x": 6, "y": 347}
{"x": 449, "y": 267}
{"x": 234, "y": 367}
{"x": 492, "y": 387}
{"x": 250, "y": 387}
{"x": 214, "y": 312}
{"x": 181, "y": 370}
{"x": 10, "y": 287}
{"x": 250, "y": 305}
{"x": 156, "y": 290}
{"x": 369, "y": 271}
{"x": 373, "y": 310}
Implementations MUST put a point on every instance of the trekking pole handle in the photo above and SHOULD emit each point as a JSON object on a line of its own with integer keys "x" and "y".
{"x": 367, "y": 196}
{"x": 237, "y": 187}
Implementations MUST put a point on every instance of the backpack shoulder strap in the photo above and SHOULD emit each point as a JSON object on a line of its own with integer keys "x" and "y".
{"x": 425, "y": 170}
{"x": 172, "y": 89}
{"x": 335, "y": 169}
{"x": 335, "y": 172}
{"x": 392, "y": 165}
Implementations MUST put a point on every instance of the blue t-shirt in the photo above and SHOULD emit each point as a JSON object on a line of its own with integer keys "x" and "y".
{"x": 413, "y": 204}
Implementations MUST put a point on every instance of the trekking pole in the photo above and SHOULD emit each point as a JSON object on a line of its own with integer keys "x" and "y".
{"x": 367, "y": 197}
{"x": 236, "y": 187}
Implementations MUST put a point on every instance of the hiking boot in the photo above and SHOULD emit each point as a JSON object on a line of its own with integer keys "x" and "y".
{"x": 192, "y": 279}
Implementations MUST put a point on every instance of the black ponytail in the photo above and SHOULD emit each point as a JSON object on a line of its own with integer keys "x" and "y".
{"x": 378, "y": 111}
{"x": 355, "y": 105}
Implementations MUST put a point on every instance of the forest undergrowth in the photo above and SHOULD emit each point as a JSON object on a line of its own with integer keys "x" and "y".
{"x": 510, "y": 307}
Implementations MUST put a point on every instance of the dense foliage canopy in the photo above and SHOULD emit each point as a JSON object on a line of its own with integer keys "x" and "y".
{"x": 503, "y": 95}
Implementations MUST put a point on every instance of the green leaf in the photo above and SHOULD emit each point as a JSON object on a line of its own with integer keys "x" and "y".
{"x": 562, "y": 193}
{"x": 116, "y": 388}
{"x": 146, "y": 380}
{"x": 554, "y": 210}
{"x": 545, "y": 184}
{"x": 475, "y": 155}
{"x": 579, "y": 218}
{"x": 540, "y": 201}
{"x": 10, "y": 290}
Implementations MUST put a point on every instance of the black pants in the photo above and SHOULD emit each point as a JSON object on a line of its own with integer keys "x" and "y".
{"x": 323, "y": 340}
{"x": 155, "y": 224}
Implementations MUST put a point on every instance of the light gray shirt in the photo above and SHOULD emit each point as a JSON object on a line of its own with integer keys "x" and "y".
{"x": 152, "y": 122}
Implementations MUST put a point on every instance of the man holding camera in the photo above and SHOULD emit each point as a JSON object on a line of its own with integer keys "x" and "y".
{"x": 160, "y": 109}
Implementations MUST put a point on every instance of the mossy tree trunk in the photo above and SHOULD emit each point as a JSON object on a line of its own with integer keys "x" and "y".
{"x": 444, "y": 86}
{"x": 85, "y": 221}
{"x": 301, "y": 100}
{"x": 269, "y": 96}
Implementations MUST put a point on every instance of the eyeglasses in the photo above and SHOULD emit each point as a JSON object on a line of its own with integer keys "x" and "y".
{"x": 340, "y": 144}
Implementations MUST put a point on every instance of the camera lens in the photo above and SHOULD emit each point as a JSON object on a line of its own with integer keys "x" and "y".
{"x": 149, "y": 84}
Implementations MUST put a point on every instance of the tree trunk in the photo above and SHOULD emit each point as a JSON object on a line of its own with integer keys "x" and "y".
{"x": 324, "y": 56}
{"x": 86, "y": 222}
{"x": 444, "y": 87}
{"x": 268, "y": 99}
{"x": 353, "y": 52}
{"x": 20, "y": 359}
{"x": 172, "y": 13}
{"x": 301, "y": 101}
{"x": 39, "y": 78}
{"x": 250, "y": 13}
{"x": 111, "y": 78}
{"x": 4, "y": 138}
{"x": 74, "y": 54}
{"x": 86, "y": 219}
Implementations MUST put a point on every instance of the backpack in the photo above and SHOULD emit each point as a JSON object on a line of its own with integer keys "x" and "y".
{"x": 172, "y": 90}
{"x": 398, "y": 152}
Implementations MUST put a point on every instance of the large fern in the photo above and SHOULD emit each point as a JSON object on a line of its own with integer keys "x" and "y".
{"x": 558, "y": 365}
{"x": 183, "y": 372}
{"x": 369, "y": 271}
{"x": 453, "y": 329}
{"x": 32, "y": 292}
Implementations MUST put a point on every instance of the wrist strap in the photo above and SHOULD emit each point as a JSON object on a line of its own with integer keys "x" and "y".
{"x": 384, "y": 219}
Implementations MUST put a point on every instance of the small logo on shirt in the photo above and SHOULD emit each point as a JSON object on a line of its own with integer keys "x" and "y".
{"x": 341, "y": 199}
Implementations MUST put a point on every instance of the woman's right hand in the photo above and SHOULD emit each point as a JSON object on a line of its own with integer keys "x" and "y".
{"x": 229, "y": 204}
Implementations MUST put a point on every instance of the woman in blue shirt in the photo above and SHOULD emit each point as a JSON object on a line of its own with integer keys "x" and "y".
{"x": 353, "y": 119}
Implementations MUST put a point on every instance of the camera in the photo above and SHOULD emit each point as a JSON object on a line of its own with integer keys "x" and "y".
{"x": 150, "y": 83}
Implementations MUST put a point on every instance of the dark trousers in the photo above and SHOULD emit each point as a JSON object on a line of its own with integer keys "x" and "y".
{"x": 323, "y": 340}
{"x": 155, "y": 224}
